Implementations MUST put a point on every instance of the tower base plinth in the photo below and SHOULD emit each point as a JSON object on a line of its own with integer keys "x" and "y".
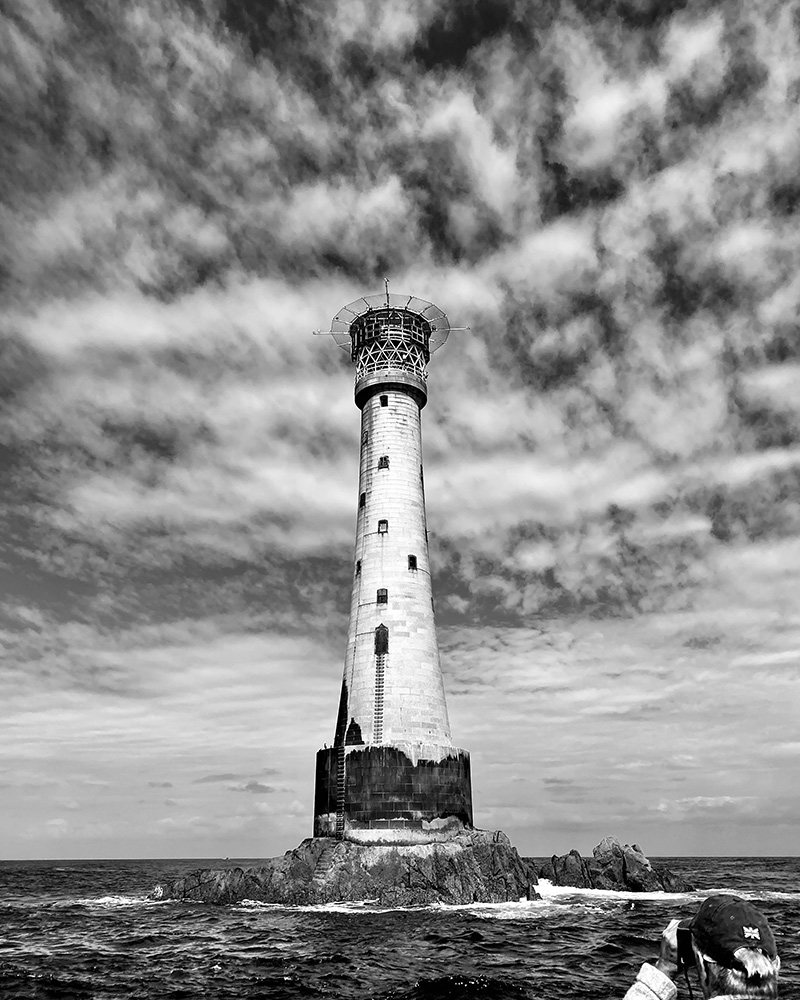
{"x": 382, "y": 794}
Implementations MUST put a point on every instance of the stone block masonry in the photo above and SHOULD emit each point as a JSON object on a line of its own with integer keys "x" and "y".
{"x": 390, "y": 527}
{"x": 390, "y": 798}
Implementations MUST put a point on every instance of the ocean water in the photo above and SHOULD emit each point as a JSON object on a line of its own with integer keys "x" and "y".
{"x": 86, "y": 931}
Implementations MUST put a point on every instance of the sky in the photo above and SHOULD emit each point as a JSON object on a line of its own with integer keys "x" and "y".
{"x": 607, "y": 195}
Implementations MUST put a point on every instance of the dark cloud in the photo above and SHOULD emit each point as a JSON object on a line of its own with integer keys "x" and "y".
{"x": 254, "y": 787}
{"x": 702, "y": 641}
{"x": 611, "y": 567}
{"x": 762, "y": 509}
{"x": 250, "y": 785}
{"x": 458, "y": 29}
{"x": 159, "y": 784}
{"x": 209, "y": 779}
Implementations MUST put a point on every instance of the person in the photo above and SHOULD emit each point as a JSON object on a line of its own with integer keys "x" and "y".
{"x": 734, "y": 954}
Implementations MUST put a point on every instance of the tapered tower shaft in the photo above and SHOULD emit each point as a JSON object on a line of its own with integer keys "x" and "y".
{"x": 393, "y": 773}
{"x": 392, "y": 585}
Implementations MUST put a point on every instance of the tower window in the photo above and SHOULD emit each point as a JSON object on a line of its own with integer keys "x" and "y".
{"x": 384, "y": 400}
{"x": 381, "y": 639}
{"x": 383, "y": 527}
{"x": 365, "y": 437}
{"x": 412, "y": 562}
{"x": 358, "y": 567}
{"x": 362, "y": 500}
{"x": 383, "y": 462}
{"x": 383, "y": 596}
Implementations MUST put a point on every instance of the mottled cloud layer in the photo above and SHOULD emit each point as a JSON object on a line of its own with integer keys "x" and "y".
{"x": 606, "y": 194}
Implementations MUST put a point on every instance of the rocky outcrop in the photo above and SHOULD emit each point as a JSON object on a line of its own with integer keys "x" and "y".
{"x": 612, "y": 866}
{"x": 474, "y": 867}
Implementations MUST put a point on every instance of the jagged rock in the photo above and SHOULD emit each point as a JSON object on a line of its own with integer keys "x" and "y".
{"x": 612, "y": 866}
{"x": 671, "y": 882}
{"x": 569, "y": 869}
{"x": 476, "y": 866}
{"x": 624, "y": 867}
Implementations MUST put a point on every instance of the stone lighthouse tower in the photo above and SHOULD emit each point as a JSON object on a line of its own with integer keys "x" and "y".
{"x": 393, "y": 773}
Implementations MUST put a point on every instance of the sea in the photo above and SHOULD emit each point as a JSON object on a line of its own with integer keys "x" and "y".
{"x": 86, "y": 930}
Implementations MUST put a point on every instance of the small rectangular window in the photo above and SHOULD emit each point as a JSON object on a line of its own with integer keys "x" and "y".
{"x": 383, "y": 462}
{"x": 362, "y": 500}
{"x": 358, "y": 567}
{"x": 383, "y": 596}
{"x": 383, "y": 527}
{"x": 381, "y": 640}
{"x": 412, "y": 562}
{"x": 365, "y": 437}
{"x": 384, "y": 400}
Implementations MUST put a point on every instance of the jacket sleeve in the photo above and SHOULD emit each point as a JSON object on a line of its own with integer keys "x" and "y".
{"x": 651, "y": 984}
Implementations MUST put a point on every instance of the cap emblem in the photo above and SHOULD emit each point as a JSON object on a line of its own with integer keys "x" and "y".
{"x": 752, "y": 932}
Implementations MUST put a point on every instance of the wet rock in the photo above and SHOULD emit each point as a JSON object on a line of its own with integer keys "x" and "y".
{"x": 609, "y": 867}
{"x": 612, "y": 866}
{"x": 476, "y": 866}
{"x": 569, "y": 869}
{"x": 671, "y": 882}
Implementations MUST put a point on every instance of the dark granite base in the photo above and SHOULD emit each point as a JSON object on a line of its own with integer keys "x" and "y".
{"x": 385, "y": 790}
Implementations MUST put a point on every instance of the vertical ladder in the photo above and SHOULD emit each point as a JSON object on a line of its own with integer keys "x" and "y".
{"x": 340, "y": 791}
{"x": 377, "y": 728}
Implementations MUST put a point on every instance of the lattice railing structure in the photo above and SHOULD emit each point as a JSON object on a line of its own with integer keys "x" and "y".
{"x": 401, "y": 319}
{"x": 394, "y": 324}
{"x": 392, "y": 354}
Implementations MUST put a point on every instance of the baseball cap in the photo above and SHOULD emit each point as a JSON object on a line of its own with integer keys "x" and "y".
{"x": 725, "y": 923}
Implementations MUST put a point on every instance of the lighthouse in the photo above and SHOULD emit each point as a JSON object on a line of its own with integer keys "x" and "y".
{"x": 393, "y": 774}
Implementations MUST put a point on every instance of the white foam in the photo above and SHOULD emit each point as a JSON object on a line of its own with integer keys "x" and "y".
{"x": 110, "y": 902}
{"x": 360, "y": 906}
{"x": 547, "y": 890}
{"x": 552, "y": 896}
{"x": 749, "y": 893}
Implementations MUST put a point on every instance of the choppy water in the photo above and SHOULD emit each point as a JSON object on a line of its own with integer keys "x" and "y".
{"x": 86, "y": 931}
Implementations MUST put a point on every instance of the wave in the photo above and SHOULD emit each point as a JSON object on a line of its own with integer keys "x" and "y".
{"x": 354, "y": 907}
{"x": 451, "y": 987}
{"x": 547, "y": 890}
{"x": 767, "y": 894}
{"x": 373, "y": 906}
{"x": 551, "y": 896}
{"x": 107, "y": 902}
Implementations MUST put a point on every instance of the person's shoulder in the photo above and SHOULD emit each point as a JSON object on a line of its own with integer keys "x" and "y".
{"x": 652, "y": 984}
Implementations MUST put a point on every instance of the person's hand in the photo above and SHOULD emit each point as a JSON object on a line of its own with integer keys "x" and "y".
{"x": 668, "y": 959}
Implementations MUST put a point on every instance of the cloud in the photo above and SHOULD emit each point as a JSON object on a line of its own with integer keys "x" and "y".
{"x": 216, "y": 778}
{"x": 254, "y": 787}
{"x": 608, "y": 200}
{"x": 56, "y": 828}
{"x": 222, "y": 778}
{"x": 700, "y": 803}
